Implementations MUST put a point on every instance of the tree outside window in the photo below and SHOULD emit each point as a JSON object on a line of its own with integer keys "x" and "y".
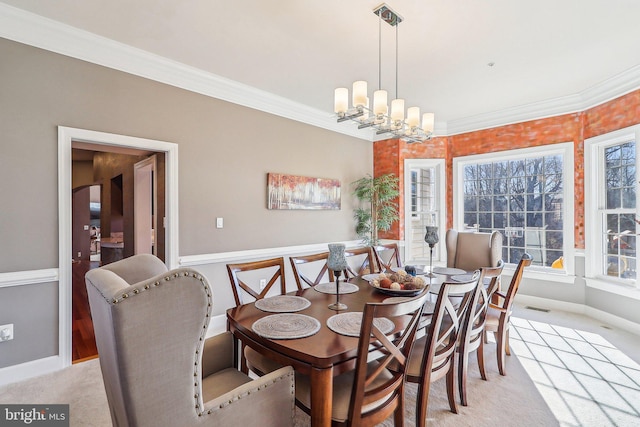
{"x": 618, "y": 215}
{"x": 523, "y": 199}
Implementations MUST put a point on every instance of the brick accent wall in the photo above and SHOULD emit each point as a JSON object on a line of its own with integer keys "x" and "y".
{"x": 389, "y": 155}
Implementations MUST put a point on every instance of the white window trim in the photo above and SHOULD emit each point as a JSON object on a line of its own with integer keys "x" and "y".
{"x": 439, "y": 166}
{"x": 593, "y": 175}
{"x": 564, "y": 148}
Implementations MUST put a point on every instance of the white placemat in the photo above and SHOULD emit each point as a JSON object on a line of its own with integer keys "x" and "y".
{"x": 462, "y": 277}
{"x": 282, "y": 304}
{"x": 286, "y": 326}
{"x": 330, "y": 288}
{"x": 349, "y": 324}
{"x": 448, "y": 270}
{"x": 395, "y": 299}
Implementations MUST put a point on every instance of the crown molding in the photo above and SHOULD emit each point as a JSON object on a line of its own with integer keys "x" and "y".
{"x": 34, "y": 30}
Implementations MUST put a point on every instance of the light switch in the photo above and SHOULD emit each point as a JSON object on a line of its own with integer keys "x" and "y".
{"x": 219, "y": 222}
{"x": 86, "y": 227}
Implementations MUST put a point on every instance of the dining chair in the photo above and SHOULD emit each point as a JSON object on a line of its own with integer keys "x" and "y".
{"x": 305, "y": 265}
{"x": 370, "y": 393}
{"x": 158, "y": 367}
{"x": 473, "y": 322}
{"x": 363, "y": 259}
{"x": 434, "y": 355}
{"x": 498, "y": 318}
{"x": 245, "y": 281}
{"x": 387, "y": 256}
{"x": 472, "y": 251}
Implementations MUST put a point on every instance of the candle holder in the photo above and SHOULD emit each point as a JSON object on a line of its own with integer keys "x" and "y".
{"x": 431, "y": 238}
{"x": 337, "y": 262}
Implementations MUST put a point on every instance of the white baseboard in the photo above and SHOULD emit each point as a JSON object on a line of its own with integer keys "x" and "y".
{"x": 34, "y": 368}
{"x": 571, "y": 307}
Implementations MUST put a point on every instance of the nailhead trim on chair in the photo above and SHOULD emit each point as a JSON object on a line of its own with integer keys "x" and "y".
{"x": 197, "y": 374}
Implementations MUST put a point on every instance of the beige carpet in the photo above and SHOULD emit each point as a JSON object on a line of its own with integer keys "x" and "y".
{"x": 502, "y": 401}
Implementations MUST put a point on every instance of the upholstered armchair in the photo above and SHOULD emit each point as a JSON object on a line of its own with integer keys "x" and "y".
{"x": 472, "y": 251}
{"x": 158, "y": 367}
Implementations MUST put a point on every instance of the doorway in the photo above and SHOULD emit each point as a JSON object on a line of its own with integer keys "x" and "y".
{"x": 424, "y": 202}
{"x": 69, "y": 138}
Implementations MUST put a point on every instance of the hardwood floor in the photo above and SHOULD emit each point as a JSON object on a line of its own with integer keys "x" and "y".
{"x": 83, "y": 339}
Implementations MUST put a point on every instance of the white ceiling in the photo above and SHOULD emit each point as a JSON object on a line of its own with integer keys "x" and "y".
{"x": 301, "y": 50}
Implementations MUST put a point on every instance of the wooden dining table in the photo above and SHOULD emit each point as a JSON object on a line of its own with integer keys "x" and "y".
{"x": 320, "y": 356}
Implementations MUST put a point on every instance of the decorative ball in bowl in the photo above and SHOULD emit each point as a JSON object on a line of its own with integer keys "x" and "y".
{"x": 398, "y": 283}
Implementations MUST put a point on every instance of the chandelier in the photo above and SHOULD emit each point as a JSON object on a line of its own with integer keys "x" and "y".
{"x": 396, "y": 124}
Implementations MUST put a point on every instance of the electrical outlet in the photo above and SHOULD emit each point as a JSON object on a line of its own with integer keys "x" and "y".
{"x": 6, "y": 332}
{"x": 263, "y": 283}
{"x": 219, "y": 222}
{"x": 79, "y": 254}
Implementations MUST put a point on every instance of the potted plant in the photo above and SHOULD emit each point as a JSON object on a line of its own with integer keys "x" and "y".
{"x": 378, "y": 210}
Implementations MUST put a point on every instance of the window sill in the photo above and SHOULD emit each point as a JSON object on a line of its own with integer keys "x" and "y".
{"x": 628, "y": 291}
{"x": 546, "y": 276}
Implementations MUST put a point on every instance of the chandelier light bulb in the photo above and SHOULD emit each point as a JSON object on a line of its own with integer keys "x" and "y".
{"x": 413, "y": 117}
{"x": 397, "y": 110}
{"x": 427, "y": 122}
{"x": 341, "y": 100}
{"x": 380, "y": 102}
{"x": 359, "y": 93}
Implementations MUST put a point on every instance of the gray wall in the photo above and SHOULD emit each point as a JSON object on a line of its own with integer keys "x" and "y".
{"x": 225, "y": 153}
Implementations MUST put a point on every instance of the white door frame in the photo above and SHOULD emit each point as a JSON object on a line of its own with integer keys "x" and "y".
{"x": 439, "y": 165}
{"x": 145, "y": 209}
{"x": 66, "y": 136}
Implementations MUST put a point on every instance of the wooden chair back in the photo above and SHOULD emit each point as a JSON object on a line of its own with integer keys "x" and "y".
{"x": 473, "y": 324}
{"x": 499, "y": 312}
{"x": 387, "y": 256}
{"x": 247, "y": 285}
{"x": 375, "y": 386}
{"x": 319, "y": 260}
{"x": 365, "y": 261}
{"x": 438, "y": 357}
{"x": 507, "y": 297}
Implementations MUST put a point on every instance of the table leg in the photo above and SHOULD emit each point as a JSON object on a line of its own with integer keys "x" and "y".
{"x": 321, "y": 397}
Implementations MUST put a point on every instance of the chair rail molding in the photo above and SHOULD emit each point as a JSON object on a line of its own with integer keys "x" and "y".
{"x": 30, "y": 277}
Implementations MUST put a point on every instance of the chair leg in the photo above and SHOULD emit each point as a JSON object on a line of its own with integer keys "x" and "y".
{"x": 452, "y": 377}
{"x": 506, "y": 343}
{"x": 462, "y": 376}
{"x": 501, "y": 351}
{"x": 398, "y": 415}
{"x": 422, "y": 401}
{"x": 480, "y": 355}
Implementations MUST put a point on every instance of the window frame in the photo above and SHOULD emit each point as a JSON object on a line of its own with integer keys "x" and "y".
{"x": 565, "y": 149}
{"x": 594, "y": 201}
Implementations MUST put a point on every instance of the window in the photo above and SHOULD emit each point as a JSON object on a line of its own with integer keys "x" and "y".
{"x": 424, "y": 197}
{"x": 524, "y": 194}
{"x": 611, "y": 227}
